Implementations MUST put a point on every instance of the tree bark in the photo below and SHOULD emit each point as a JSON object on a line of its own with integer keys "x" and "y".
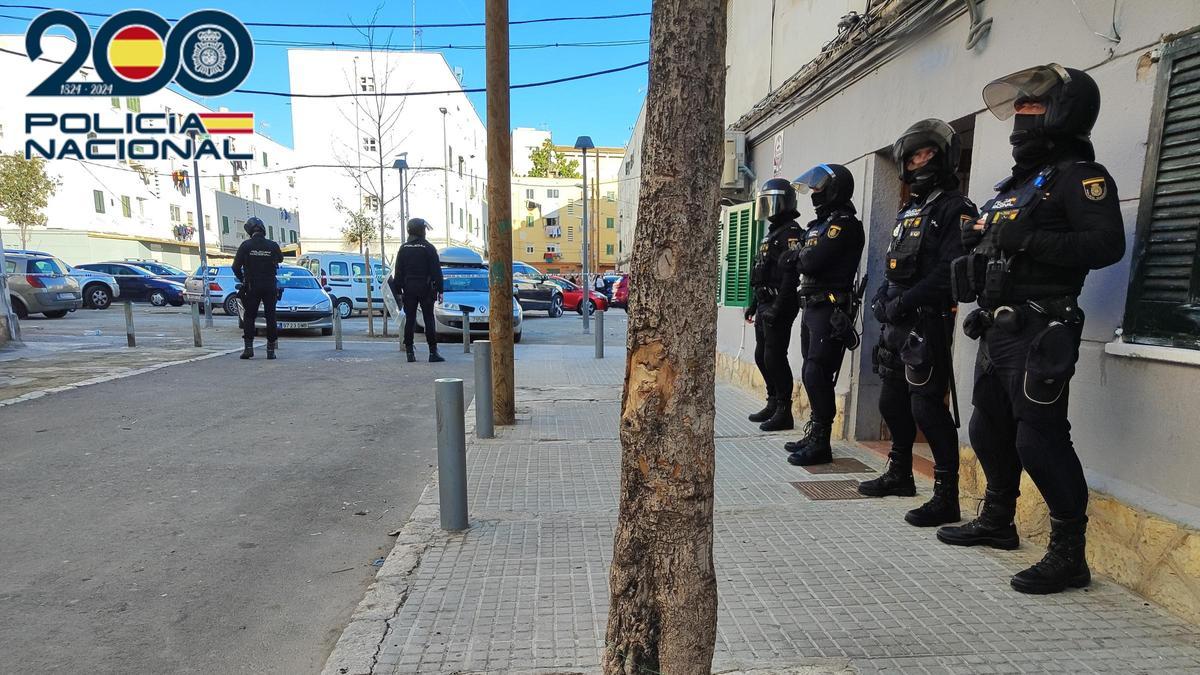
{"x": 663, "y": 605}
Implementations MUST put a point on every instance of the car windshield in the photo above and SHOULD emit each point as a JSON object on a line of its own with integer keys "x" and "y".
{"x": 296, "y": 279}
{"x": 452, "y": 284}
{"x": 564, "y": 284}
{"x": 160, "y": 268}
{"x": 43, "y": 266}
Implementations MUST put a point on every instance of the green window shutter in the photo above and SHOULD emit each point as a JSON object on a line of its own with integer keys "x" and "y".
{"x": 1164, "y": 288}
{"x": 224, "y": 224}
{"x": 742, "y": 234}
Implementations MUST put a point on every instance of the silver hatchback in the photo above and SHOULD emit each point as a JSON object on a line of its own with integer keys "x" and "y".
{"x": 37, "y": 285}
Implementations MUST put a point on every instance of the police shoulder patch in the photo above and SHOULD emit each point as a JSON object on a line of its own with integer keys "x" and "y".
{"x": 834, "y": 231}
{"x": 792, "y": 243}
{"x": 1095, "y": 189}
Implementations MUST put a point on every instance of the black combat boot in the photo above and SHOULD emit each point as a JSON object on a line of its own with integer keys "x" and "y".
{"x": 411, "y": 353}
{"x": 781, "y": 419}
{"x": 796, "y": 446}
{"x": 248, "y": 351}
{"x": 817, "y": 451}
{"x": 271, "y": 344}
{"x": 942, "y": 508}
{"x": 897, "y": 481}
{"x": 434, "y": 356}
{"x": 766, "y": 413}
{"x": 993, "y": 527}
{"x": 1065, "y": 564}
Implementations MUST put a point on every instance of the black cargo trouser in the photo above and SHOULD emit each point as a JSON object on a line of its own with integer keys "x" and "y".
{"x": 771, "y": 350}
{"x": 823, "y": 354}
{"x": 252, "y": 295}
{"x": 419, "y": 294}
{"x": 1022, "y": 386}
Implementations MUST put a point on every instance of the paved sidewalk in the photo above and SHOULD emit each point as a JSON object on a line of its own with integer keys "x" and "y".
{"x": 805, "y": 586}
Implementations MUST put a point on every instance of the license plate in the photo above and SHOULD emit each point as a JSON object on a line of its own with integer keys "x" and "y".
{"x": 292, "y": 324}
{"x": 66, "y": 296}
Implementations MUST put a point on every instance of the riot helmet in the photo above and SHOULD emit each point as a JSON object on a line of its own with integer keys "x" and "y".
{"x": 1071, "y": 98}
{"x": 930, "y": 133}
{"x": 776, "y": 202}
{"x": 829, "y": 186}
{"x": 254, "y": 224}
{"x": 417, "y": 227}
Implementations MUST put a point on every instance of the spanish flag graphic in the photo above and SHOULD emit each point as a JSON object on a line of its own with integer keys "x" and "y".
{"x": 136, "y": 53}
{"x": 228, "y": 123}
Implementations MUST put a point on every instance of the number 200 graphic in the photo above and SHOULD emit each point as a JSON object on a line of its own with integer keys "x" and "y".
{"x": 136, "y": 53}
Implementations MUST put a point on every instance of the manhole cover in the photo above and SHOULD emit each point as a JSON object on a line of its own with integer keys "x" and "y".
{"x": 349, "y": 359}
{"x": 828, "y": 490}
{"x": 840, "y": 465}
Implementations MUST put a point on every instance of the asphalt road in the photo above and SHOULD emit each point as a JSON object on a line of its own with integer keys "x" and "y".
{"x": 201, "y": 518}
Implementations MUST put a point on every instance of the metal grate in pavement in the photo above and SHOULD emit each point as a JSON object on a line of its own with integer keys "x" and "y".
{"x": 840, "y": 465}
{"x": 828, "y": 490}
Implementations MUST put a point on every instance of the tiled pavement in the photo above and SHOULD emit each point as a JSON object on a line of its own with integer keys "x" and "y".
{"x": 805, "y": 586}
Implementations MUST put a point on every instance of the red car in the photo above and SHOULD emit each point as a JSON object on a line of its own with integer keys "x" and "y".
{"x": 620, "y": 292}
{"x": 572, "y": 295}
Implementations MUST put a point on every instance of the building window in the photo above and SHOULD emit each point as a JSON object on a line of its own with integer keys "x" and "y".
{"x": 529, "y": 249}
{"x": 571, "y": 208}
{"x": 460, "y": 166}
{"x": 608, "y": 249}
{"x": 269, "y": 200}
{"x": 552, "y": 194}
{"x": 529, "y": 221}
{"x": 370, "y": 202}
{"x": 451, "y": 216}
{"x": 207, "y": 222}
{"x": 1163, "y": 306}
{"x": 174, "y": 213}
{"x": 609, "y": 224}
{"x": 369, "y": 144}
{"x": 98, "y": 200}
{"x": 222, "y": 181}
{"x": 133, "y": 104}
{"x": 126, "y": 207}
{"x": 366, "y": 83}
{"x": 621, "y": 246}
{"x": 460, "y": 216}
{"x": 295, "y": 236}
{"x": 265, "y": 160}
{"x": 610, "y": 196}
{"x": 529, "y": 194}
{"x": 224, "y": 224}
{"x": 291, "y": 181}
{"x": 254, "y": 190}
{"x": 570, "y": 233}
{"x": 449, "y": 156}
{"x": 1, "y": 132}
{"x": 270, "y": 232}
{"x": 116, "y": 103}
{"x": 742, "y": 233}
{"x": 191, "y": 219}
{"x": 552, "y": 248}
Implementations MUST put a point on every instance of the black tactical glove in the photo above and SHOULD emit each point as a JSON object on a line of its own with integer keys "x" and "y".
{"x": 970, "y": 236}
{"x": 878, "y": 303}
{"x": 895, "y": 310}
{"x": 750, "y": 312}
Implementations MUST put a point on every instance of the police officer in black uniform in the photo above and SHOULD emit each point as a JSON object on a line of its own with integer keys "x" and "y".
{"x": 774, "y": 304}
{"x": 825, "y": 266}
{"x": 254, "y": 265}
{"x": 916, "y": 311}
{"x": 417, "y": 281}
{"x": 1054, "y": 219}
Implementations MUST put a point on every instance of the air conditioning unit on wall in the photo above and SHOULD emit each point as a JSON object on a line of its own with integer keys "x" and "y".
{"x": 735, "y": 174}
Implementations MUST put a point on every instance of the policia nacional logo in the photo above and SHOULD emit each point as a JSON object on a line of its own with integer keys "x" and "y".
{"x": 1095, "y": 189}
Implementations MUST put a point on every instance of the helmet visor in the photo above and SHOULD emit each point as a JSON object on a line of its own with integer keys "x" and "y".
{"x": 814, "y": 180}
{"x": 1032, "y": 84}
{"x": 770, "y": 203}
{"x": 938, "y": 137}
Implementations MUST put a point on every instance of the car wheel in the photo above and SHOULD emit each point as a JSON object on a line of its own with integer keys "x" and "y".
{"x": 158, "y": 299}
{"x": 97, "y": 296}
{"x": 231, "y": 305}
{"x": 591, "y": 307}
{"x": 556, "y": 307}
{"x": 56, "y": 314}
{"x": 345, "y": 307}
{"x": 517, "y": 338}
{"x": 327, "y": 331}
{"x": 19, "y": 308}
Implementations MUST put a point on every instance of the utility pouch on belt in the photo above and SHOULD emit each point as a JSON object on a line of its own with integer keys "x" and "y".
{"x": 962, "y": 285}
{"x": 995, "y": 282}
{"x": 1051, "y": 363}
{"x": 917, "y": 356}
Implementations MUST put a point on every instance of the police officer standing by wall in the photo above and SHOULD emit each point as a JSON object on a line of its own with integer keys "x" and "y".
{"x": 417, "y": 280}
{"x": 1054, "y": 219}
{"x": 254, "y": 265}
{"x": 774, "y": 304}
{"x": 826, "y": 265}
{"x": 915, "y": 308}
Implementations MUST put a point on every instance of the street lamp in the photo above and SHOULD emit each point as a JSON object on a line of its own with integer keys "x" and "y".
{"x": 208, "y": 320}
{"x": 445, "y": 174}
{"x": 401, "y": 166}
{"x": 583, "y": 143}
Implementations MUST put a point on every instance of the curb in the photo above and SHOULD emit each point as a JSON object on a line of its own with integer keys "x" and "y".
{"x": 109, "y": 378}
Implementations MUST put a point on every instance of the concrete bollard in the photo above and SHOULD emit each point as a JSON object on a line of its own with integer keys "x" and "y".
{"x": 196, "y": 338}
{"x": 452, "y": 453}
{"x": 337, "y": 329}
{"x": 600, "y": 334}
{"x": 466, "y": 331}
{"x": 484, "y": 426}
{"x": 129, "y": 336}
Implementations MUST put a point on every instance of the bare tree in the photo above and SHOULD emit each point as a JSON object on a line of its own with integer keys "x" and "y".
{"x": 663, "y": 605}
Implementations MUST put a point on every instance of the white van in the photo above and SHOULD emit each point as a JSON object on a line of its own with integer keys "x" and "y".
{"x": 346, "y": 276}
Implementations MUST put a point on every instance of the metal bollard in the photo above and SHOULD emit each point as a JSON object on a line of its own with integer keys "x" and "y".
{"x": 466, "y": 331}
{"x": 452, "y": 453}
{"x": 196, "y": 339}
{"x": 337, "y": 329}
{"x": 484, "y": 426}
{"x": 129, "y": 337}
{"x": 599, "y": 333}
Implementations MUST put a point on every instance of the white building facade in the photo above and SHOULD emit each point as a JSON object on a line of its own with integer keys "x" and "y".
{"x": 346, "y": 139}
{"x": 628, "y": 189}
{"x": 143, "y": 209}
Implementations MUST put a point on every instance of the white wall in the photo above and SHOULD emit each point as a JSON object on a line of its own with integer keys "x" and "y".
{"x": 524, "y": 141}
{"x": 628, "y": 190}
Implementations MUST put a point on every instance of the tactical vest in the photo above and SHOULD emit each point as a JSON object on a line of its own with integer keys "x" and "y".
{"x": 913, "y": 225}
{"x": 831, "y": 280}
{"x": 765, "y": 273}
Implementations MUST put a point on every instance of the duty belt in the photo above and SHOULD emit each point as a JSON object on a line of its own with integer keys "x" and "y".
{"x": 811, "y": 297}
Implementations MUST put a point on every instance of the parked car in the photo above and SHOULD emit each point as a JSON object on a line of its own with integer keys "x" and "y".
{"x": 99, "y": 289}
{"x": 303, "y": 304}
{"x": 346, "y": 274}
{"x": 535, "y": 292}
{"x": 139, "y": 284}
{"x": 466, "y": 286}
{"x": 37, "y": 285}
{"x": 161, "y": 270}
{"x": 573, "y": 295}
{"x": 620, "y": 294}
{"x": 222, "y": 288}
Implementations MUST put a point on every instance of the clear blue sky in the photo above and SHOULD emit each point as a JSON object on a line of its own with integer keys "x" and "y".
{"x": 604, "y": 107}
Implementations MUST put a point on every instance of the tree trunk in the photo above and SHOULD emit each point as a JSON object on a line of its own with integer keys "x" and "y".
{"x": 663, "y": 606}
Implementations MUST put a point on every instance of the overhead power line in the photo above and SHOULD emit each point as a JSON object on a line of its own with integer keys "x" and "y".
{"x": 470, "y": 24}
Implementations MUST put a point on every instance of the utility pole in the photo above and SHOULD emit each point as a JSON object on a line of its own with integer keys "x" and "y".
{"x": 208, "y": 320}
{"x": 499, "y": 173}
{"x": 446, "y": 164}
{"x": 583, "y": 143}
